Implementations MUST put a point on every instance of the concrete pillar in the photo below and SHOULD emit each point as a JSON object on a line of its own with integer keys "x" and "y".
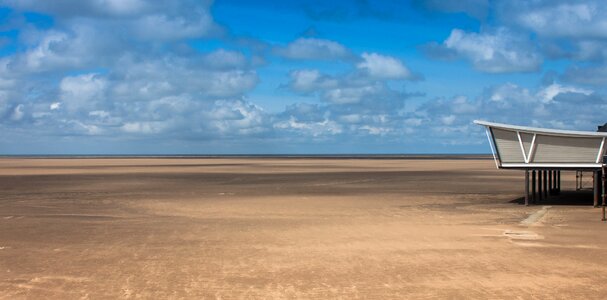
{"x": 545, "y": 184}
{"x": 533, "y": 197}
{"x": 596, "y": 187}
{"x": 603, "y": 183}
{"x": 549, "y": 182}
{"x": 600, "y": 185}
{"x": 555, "y": 189}
{"x": 526, "y": 187}
{"x": 558, "y": 181}
{"x": 540, "y": 193}
{"x": 554, "y": 182}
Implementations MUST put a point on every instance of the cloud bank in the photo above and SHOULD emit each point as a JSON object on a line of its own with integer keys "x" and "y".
{"x": 169, "y": 77}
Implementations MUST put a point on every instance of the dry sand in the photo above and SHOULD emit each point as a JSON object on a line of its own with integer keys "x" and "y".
{"x": 290, "y": 228}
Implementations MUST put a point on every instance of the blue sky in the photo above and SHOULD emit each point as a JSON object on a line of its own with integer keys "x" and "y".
{"x": 293, "y": 77}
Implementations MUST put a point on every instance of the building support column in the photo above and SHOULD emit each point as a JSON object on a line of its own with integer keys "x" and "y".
{"x": 603, "y": 183}
{"x": 550, "y": 191}
{"x": 526, "y": 187}
{"x": 596, "y": 183}
{"x": 554, "y": 182}
{"x": 540, "y": 192}
{"x": 554, "y": 185}
{"x": 558, "y": 181}
{"x": 533, "y": 197}
{"x": 545, "y": 184}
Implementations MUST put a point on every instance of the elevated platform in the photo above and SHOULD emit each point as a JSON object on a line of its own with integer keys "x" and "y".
{"x": 547, "y": 152}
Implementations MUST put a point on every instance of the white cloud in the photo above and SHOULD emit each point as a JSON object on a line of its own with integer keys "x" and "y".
{"x": 505, "y": 93}
{"x": 413, "y": 121}
{"x": 128, "y": 68}
{"x": 140, "y": 19}
{"x": 315, "y": 49}
{"x": 18, "y": 113}
{"x": 7, "y": 81}
{"x": 84, "y": 128}
{"x": 163, "y": 27}
{"x": 325, "y": 127}
{"x": 527, "y": 32}
{"x": 82, "y": 92}
{"x": 384, "y": 67}
{"x": 224, "y": 59}
{"x": 237, "y": 118}
{"x": 364, "y": 90}
{"x": 47, "y": 56}
{"x": 99, "y": 113}
{"x": 350, "y": 95}
{"x": 125, "y": 68}
{"x": 498, "y": 52}
{"x": 462, "y": 105}
{"x": 373, "y": 130}
{"x": 132, "y": 72}
{"x": 595, "y": 75}
{"x": 351, "y": 118}
{"x": 583, "y": 19}
{"x": 99, "y": 8}
{"x": 448, "y": 120}
{"x": 144, "y": 127}
{"x": 548, "y": 93}
{"x": 81, "y": 45}
{"x": 227, "y": 84}
{"x": 121, "y": 7}
{"x": 154, "y": 79}
{"x": 590, "y": 50}
{"x": 554, "y": 105}
{"x": 306, "y": 81}
{"x": 357, "y": 106}
{"x": 563, "y": 29}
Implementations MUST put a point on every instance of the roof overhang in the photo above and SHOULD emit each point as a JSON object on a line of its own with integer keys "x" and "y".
{"x": 522, "y": 147}
{"x": 548, "y": 131}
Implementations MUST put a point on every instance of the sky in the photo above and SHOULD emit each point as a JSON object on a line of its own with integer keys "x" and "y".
{"x": 293, "y": 77}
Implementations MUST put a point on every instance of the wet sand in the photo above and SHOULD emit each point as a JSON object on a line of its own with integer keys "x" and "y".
{"x": 291, "y": 228}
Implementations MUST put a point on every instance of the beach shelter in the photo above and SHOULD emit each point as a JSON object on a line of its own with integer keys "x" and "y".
{"x": 543, "y": 153}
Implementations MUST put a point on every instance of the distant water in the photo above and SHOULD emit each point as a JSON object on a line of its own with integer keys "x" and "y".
{"x": 294, "y": 156}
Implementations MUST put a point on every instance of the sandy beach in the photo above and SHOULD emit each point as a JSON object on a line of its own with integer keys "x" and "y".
{"x": 291, "y": 228}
